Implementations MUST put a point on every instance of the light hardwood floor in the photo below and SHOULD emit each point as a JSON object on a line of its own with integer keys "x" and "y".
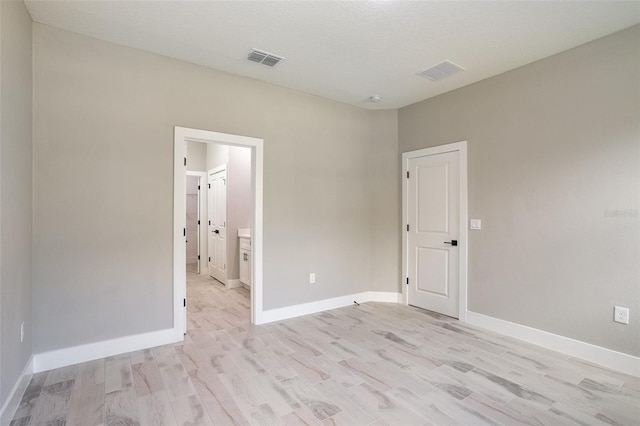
{"x": 373, "y": 364}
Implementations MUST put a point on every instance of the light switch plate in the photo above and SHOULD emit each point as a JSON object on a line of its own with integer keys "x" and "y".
{"x": 475, "y": 224}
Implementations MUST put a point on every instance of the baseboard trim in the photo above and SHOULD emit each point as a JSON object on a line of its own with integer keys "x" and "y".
{"x": 327, "y": 304}
{"x": 90, "y": 351}
{"x": 234, "y": 283}
{"x": 608, "y": 358}
{"x": 10, "y": 406}
{"x": 383, "y": 296}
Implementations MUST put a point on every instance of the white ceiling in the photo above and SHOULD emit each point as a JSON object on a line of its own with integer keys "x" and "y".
{"x": 348, "y": 51}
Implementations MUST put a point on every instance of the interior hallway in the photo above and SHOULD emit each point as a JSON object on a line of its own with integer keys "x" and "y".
{"x": 373, "y": 364}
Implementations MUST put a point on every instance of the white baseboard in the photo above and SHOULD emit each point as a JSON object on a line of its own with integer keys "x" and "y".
{"x": 608, "y": 358}
{"x": 383, "y": 296}
{"x": 234, "y": 283}
{"x": 90, "y": 351}
{"x": 327, "y": 304}
{"x": 12, "y": 402}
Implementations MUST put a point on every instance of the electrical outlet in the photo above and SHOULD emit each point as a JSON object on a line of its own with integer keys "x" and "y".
{"x": 621, "y": 314}
{"x": 312, "y": 278}
{"x": 22, "y": 332}
{"x": 475, "y": 224}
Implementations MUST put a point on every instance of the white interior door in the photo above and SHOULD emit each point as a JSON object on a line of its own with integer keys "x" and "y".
{"x": 433, "y": 234}
{"x": 217, "y": 223}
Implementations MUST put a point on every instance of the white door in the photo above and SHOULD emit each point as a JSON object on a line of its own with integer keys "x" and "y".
{"x": 217, "y": 212}
{"x": 433, "y": 219}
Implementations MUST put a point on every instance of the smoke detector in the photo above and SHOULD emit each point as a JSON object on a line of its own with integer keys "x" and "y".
{"x": 441, "y": 71}
{"x": 264, "y": 58}
{"x": 375, "y": 98}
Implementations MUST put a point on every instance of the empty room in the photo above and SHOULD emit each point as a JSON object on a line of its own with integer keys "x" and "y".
{"x": 319, "y": 212}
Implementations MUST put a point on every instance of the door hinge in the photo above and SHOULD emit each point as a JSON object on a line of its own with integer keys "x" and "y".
{"x": 407, "y": 280}
{"x": 184, "y": 232}
{"x": 198, "y": 222}
{"x": 209, "y": 258}
{"x": 407, "y": 227}
{"x": 198, "y": 257}
{"x": 209, "y": 185}
{"x": 184, "y": 302}
{"x": 407, "y": 174}
{"x": 185, "y": 161}
{"x": 198, "y": 187}
{"x": 209, "y": 222}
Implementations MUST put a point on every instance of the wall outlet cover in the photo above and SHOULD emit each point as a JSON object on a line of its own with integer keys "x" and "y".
{"x": 621, "y": 314}
{"x": 475, "y": 224}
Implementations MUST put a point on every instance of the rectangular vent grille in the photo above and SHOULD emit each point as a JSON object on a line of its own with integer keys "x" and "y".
{"x": 442, "y": 70}
{"x": 264, "y": 58}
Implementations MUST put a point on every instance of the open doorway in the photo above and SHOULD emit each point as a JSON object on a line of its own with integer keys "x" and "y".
{"x": 218, "y": 294}
{"x": 218, "y": 297}
{"x": 251, "y": 224}
{"x": 195, "y": 212}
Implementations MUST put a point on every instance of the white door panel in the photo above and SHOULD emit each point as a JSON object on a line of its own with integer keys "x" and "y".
{"x": 433, "y": 269}
{"x": 432, "y": 184}
{"x": 433, "y": 216}
{"x": 217, "y": 223}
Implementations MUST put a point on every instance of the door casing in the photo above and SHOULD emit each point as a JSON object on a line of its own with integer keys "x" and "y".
{"x": 182, "y": 135}
{"x": 461, "y": 147}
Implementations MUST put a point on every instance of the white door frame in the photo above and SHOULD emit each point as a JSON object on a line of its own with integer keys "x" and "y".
{"x": 182, "y": 135}
{"x": 461, "y": 147}
{"x": 202, "y": 211}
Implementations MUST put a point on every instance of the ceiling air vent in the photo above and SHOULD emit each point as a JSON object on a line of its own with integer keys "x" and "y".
{"x": 264, "y": 58}
{"x": 442, "y": 70}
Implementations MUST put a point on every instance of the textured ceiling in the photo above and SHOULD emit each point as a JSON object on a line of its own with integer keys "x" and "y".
{"x": 348, "y": 51}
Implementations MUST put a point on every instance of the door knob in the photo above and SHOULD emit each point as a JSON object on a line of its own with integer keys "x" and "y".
{"x": 452, "y": 242}
{"x": 217, "y": 231}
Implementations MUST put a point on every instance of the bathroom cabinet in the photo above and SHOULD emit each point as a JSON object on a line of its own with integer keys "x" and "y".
{"x": 245, "y": 261}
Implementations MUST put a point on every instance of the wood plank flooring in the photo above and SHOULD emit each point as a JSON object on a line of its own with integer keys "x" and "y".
{"x": 373, "y": 364}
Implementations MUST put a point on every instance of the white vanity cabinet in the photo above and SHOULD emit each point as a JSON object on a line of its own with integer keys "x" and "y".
{"x": 245, "y": 260}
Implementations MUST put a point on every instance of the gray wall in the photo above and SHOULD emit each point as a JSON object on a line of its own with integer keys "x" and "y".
{"x": 386, "y": 197}
{"x": 239, "y": 203}
{"x": 196, "y": 157}
{"x": 217, "y": 155}
{"x": 103, "y": 260}
{"x": 15, "y": 192}
{"x": 554, "y": 152}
